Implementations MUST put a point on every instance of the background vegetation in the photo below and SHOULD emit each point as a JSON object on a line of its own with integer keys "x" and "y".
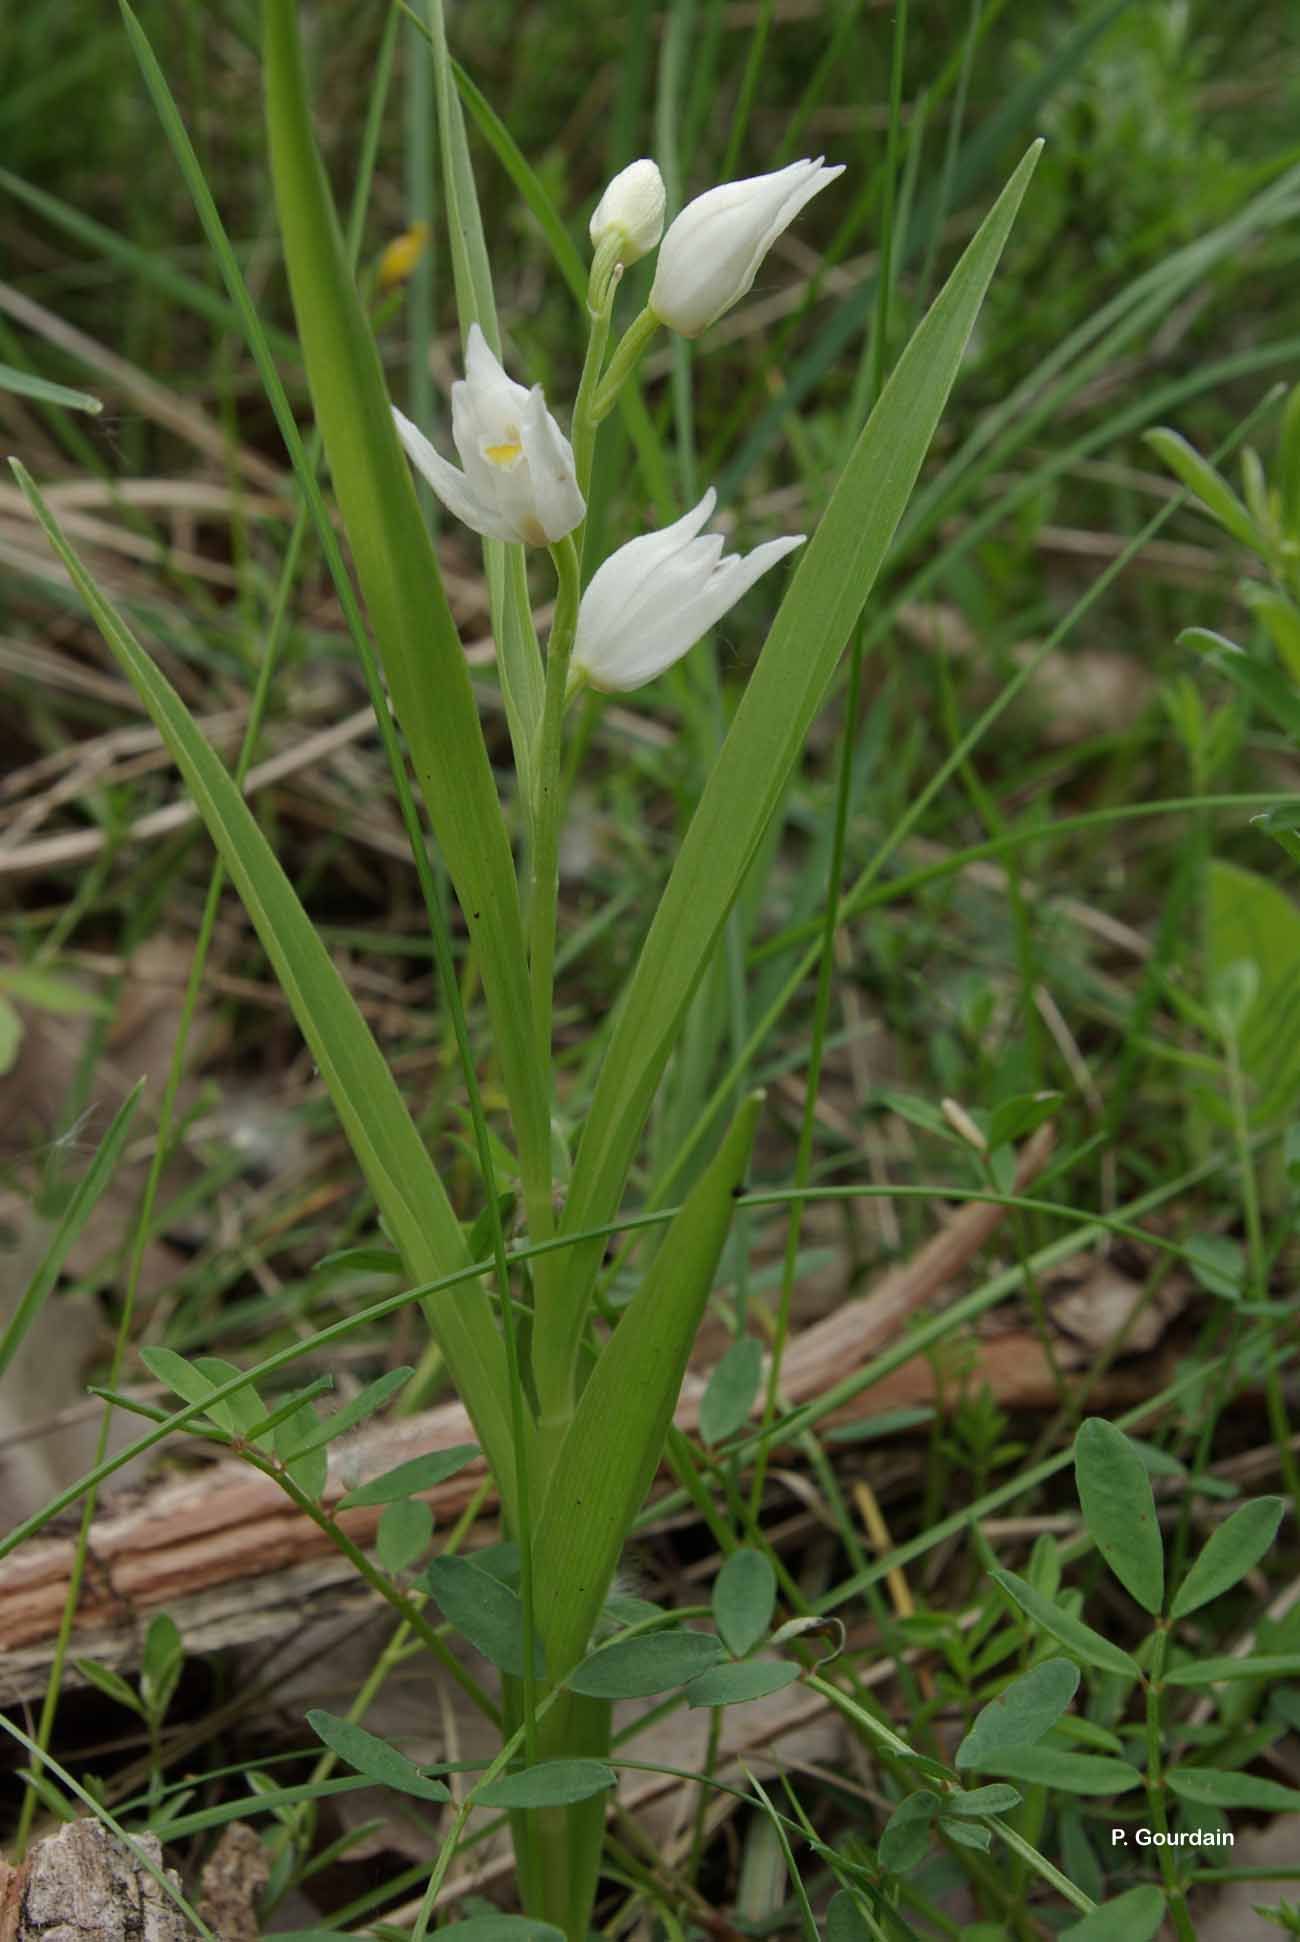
{"x": 1050, "y": 856}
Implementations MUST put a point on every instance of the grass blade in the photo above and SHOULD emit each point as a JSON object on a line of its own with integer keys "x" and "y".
{"x": 45, "y": 392}
{"x": 612, "y": 1448}
{"x": 78, "y": 1211}
{"x": 380, "y": 1129}
{"x": 399, "y": 575}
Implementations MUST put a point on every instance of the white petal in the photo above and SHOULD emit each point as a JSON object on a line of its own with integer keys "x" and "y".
{"x": 558, "y": 504}
{"x": 451, "y": 486}
{"x": 650, "y": 602}
{"x": 711, "y": 254}
{"x": 498, "y": 396}
{"x": 473, "y": 428}
{"x": 678, "y": 584}
{"x": 618, "y": 582}
{"x": 741, "y": 573}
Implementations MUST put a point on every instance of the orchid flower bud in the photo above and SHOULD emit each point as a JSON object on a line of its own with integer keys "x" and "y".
{"x": 649, "y": 602}
{"x": 631, "y": 209}
{"x": 711, "y": 254}
{"x": 519, "y": 481}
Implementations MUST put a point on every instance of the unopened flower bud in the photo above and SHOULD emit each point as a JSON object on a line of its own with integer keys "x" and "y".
{"x": 632, "y": 209}
{"x": 712, "y": 251}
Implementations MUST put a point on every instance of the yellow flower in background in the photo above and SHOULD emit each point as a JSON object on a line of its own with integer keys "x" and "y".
{"x": 402, "y": 255}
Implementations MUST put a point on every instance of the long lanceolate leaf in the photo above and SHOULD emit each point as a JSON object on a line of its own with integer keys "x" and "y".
{"x": 603, "y": 1470}
{"x": 613, "y": 1445}
{"x": 408, "y": 609}
{"x": 785, "y": 691}
{"x": 382, "y": 1134}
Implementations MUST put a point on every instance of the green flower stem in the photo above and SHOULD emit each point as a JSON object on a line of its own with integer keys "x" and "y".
{"x": 546, "y": 804}
{"x": 554, "y": 1376}
{"x": 1175, "y": 1891}
{"x": 606, "y": 272}
{"x": 554, "y": 1385}
{"x": 624, "y": 362}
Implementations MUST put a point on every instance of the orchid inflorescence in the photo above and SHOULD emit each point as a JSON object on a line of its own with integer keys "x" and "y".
{"x": 655, "y": 597}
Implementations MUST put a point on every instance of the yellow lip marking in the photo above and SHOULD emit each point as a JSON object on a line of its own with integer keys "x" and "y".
{"x": 503, "y": 454}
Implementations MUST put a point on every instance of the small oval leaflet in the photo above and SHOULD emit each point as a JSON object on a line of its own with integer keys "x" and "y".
{"x": 310, "y": 1472}
{"x": 1087, "y": 1734}
{"x": 552, "y": 1783}
{"x": 1119, "y": 1509}
{"x": 635, "y": 1668}
{"x": 906, "y": 1838}
{"x": 1072, "y": 1633}
{"x": 1022, "y": 1713}
{"x": 181, "y": 1376}
{"x": 373, "y": 1757}
{"x": 968, "y": 1834}
{"x": 982, "y": 1800}
{"x": 1260, "y": 1665}
{"x": 490, "y": 1614}
{"x": 160, "y": 1667}
{"x": 241, "y": 1411}
{"x": 1073, "y": 1773}
{"x": 110, "y": 1683}
{"x": 1217, "y": 1787}
{"x": 731, "y": 1389}
{"x": 844, "y": 1921}
{"x": 408, "y": 1479}
{"x": 403, "y": 1535}
{"x": 1229, "y": 1553}
{"x": 1134, "y": 1917}
{"x": 371, "y": 1398}
{"x": 1078, "y": 1855}
{"x": 743, "y": 1598}
{"x": 733, "y": 1685}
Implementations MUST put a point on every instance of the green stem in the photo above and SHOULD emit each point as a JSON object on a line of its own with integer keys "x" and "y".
{"x": 606, "y": 272}
{"x": 624, "y": 362}
{"x": 546, "y": 806}
{"x": 1257, "y": 1259}
{"x": 299, "y": 1824}
{"x": 1040, "y": 1864}
{"x": 553, "y": 1384}
{"x": 1175, "y": 1893}
{"x": 409, "y": 1613}
{"x": 452, "y": 1841}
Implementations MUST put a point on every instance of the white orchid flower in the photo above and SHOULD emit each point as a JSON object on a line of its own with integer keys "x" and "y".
{"x": 631, "y": 209}
{"x": 712, "y": 251}
{"x": 519, "y": 481}
{"x": 650, "y": 602}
